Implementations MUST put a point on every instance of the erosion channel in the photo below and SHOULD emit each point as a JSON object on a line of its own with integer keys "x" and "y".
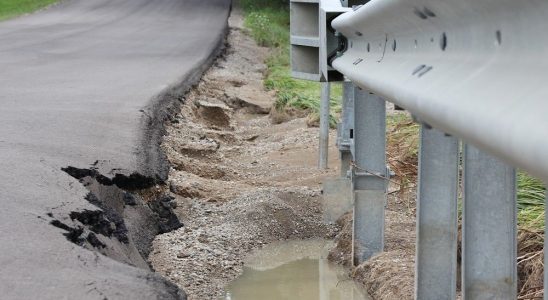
{"x": 240, "y": 181}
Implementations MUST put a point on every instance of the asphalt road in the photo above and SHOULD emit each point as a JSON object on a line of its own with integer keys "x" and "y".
{"x": 80, "y": 82}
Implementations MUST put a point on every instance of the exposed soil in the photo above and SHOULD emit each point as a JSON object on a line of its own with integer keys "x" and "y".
{"x": 239, "y": 181}
{"x": 243, "y": 177}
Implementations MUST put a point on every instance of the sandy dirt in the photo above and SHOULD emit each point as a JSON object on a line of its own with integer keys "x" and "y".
{"x": 240, "y": 181}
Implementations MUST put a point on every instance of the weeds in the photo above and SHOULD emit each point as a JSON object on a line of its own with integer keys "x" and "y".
{"x": 268, "y": 22}
{"x": 402, "y": 152}
{"x": 531, "y": 198}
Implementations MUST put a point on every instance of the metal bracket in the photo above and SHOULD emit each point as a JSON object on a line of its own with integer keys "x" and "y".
{"x": 342, "y": 143}
{"x": 356, "y": 173}
{"x": 342, "y": 46}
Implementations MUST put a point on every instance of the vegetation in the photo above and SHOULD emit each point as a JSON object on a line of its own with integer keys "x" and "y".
{"x": 268, "y": 22}
{"x": 531, "y": 198}
{"x": 13, "y": 8}
{"x": 402, "y": 153}
{"x": 403, "y": 144}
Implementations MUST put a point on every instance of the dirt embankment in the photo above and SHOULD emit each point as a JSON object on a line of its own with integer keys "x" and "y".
{"x": 239, "y": 181}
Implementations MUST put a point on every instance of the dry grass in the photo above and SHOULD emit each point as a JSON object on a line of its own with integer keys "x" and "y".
{"x": 402, "y": 150}
{"x": 387, "y": 275}
{"x": 530, "y": 264}
{"x": 342, "y": 252}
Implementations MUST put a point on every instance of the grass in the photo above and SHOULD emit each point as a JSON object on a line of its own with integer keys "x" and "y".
{"x": 403, "y": 146}
{"x": 402, "y": 151}
{"x": 268, "y": 22}
{"x": 531, "y": 199}
{"x": 13, "y": 8}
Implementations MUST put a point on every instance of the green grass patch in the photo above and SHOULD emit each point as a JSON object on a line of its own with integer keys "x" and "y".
{"x": 531, "y": 199}
{"x": 13, "y": 8}
{"x": 268, "y": 22}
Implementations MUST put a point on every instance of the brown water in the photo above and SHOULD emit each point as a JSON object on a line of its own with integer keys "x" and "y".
{"x": 293, "y": 270}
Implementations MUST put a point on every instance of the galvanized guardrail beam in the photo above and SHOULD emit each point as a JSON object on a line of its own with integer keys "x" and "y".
{"x": 476, "y": 69}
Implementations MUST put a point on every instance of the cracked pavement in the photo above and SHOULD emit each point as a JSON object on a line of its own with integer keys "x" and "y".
{"x": 80, "y": 82}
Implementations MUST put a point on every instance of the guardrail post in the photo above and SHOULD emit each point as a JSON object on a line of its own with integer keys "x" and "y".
{"x": 489, "y": 228}
{"x": 369, "y": 175}
{"x": 346, "y": 127}
{"x": 436, "y": 255}
{"x": 324, "y": 125}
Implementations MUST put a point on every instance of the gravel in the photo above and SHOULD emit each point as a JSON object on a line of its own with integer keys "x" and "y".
{"x": 239, "y": 181}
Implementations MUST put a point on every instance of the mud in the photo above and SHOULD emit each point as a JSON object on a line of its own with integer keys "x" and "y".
{"x": 296, "y": 268}
{"x": 239, "y": 181}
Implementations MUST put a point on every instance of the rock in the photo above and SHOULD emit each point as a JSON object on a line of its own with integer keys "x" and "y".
{"x": 252, "y": 105}
{"x": 203, "y": 238}
{"x": 185, "y": 189}
{"x": 201, "y": 146}
{"x": 214, "y": 114}
{"x": 129, "y": 199}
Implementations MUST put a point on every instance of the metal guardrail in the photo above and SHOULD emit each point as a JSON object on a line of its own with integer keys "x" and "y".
{"x": 474, "y": 73}
{"x": 474, "y": 69}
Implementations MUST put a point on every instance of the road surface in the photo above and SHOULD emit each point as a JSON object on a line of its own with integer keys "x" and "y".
{"x": 80, "y": 82}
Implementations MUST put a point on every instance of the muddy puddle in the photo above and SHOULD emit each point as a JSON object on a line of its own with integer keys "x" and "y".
{"x": 293, "y": 270}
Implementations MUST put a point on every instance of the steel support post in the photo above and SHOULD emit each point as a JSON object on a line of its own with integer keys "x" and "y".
{"x": 346, "y": 127}
{"x": 324, "y": 125}
{"x": 368, "y": 175}
{"x": 489, "y": 228}
{"x": 436, "y": 255}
